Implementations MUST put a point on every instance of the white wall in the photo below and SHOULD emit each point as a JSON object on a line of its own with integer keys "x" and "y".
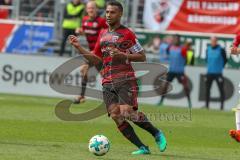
{"x": 29, "y": 75}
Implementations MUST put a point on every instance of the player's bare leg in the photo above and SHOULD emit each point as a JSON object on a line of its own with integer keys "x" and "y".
{"x": 186, "y": 90}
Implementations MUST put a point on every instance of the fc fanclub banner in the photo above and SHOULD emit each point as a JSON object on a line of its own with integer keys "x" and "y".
{"x": 211, "y": 16}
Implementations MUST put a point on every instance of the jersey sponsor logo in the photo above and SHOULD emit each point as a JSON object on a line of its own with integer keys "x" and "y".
{"x": 89, "y": 31}
{"x": 115, "y": 38}
{"x": 109, "y": 37}
{"x": 95, "y": 24}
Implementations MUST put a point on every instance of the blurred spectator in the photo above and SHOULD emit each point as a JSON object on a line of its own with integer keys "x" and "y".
{"x": 40, "y": 17}
{"x": 190, "y": 54}
{"x": 100, "y": 5}
{"x": 166, "y": 42}
{"x": 5, "y": 2}
{"x": 5, "y": 12}
{"x": 153, "y": 45}
{"x": 216, "y": 60}
{"x": 177, "y": 61}
{"x": 73, "y": 14}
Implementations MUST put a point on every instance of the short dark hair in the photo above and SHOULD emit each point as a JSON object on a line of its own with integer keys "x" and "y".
{"x": 115, "y": 3}
{"x": 177, "y": 36}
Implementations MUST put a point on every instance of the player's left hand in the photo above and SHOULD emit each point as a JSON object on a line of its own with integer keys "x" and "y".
{"x": 117, "y": 54}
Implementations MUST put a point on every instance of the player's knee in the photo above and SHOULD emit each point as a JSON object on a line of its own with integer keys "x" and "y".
{"x": 84, "y": 70}
{"x": 126, "y": 111}
{"x": 114, "y": 111}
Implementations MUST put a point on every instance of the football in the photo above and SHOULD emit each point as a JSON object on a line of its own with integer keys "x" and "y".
{"x": 99, "y": 145}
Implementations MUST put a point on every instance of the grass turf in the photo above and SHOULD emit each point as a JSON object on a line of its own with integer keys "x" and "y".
{"x": 30, "y": 130}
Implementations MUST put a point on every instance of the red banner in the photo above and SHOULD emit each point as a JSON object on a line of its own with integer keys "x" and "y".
{"x": 211, "y": 16}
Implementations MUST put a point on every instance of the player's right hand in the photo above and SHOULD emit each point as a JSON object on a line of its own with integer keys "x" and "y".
{"x": 73, "y": 40}
{"x": 234, "y": 50}
{"x": 79, "y": 31}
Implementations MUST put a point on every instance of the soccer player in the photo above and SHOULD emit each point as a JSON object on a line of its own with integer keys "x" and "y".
{"x": 91, "y": 27}
{"x": 177, "y": 60}
{"x": 235, "y": 134}
{"x": 216, "y": 60}
{"x": 117, "y": 47}
{"x": 236, "y": 42}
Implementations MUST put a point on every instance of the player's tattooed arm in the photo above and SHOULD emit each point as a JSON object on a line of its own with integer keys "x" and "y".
{"x": 139, "y": 57}
{"x": 92, "y": 58}
{"x": 118, "y": 55}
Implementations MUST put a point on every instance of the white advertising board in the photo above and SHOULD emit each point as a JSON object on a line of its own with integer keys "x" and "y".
{"x": 29, "y": 75}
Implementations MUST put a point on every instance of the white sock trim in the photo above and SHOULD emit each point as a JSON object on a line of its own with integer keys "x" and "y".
{"x": 238, "y": 119}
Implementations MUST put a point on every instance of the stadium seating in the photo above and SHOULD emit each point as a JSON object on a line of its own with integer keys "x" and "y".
{"x": 45, "y": 14}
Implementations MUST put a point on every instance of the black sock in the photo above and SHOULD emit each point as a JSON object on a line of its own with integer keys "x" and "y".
{"x": 126, "y": 129}
{"x": 84, "y": 85}
{"x": 144, "y": 123}
{"x": 161, "y": 100}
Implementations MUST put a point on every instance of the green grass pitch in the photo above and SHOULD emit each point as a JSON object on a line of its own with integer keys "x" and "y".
{"x": 30, "y": 130}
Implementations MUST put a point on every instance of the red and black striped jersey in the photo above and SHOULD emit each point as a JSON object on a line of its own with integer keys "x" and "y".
{"x": 124, "y": 40}
{"x": 92, "y": 28}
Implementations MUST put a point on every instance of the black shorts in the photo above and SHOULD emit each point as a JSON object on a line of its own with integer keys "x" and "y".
{"x": 180, "y": 77}
{"x": 121, "y": 93}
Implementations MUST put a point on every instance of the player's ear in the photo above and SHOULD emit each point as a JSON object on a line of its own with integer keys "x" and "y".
{"x": 120, "y": 16}
{"x": 121, "y": 13}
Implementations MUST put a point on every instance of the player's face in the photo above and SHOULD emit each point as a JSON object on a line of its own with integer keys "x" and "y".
{"x": 91, "y": 9}
{"x": 213, "y": 41}
{"x": 176, "y": 40}
{"x": 76, "y": 2}
{"x": 113, "y": 15}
